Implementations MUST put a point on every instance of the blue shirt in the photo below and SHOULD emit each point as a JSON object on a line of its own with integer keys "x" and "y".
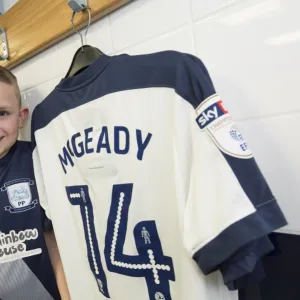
{"x": 25, "y": 272}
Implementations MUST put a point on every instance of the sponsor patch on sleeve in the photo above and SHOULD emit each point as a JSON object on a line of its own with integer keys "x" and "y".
{"x": 213, "y": 118}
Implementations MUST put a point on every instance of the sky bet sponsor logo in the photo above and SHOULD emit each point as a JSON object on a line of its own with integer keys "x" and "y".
{"x": 220, "y": 127}
{"x": 210, "y": 114}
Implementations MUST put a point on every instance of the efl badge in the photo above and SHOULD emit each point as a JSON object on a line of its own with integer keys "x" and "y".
{"x": 19, "y": 195}
{"x": 213, "y": 118}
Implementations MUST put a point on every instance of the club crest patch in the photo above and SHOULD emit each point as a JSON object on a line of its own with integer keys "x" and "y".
{"x": 19, "y": 195}
{"x": 213, "y": 118}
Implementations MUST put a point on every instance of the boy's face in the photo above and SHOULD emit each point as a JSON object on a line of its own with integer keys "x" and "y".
{"x": 12, "y": 117}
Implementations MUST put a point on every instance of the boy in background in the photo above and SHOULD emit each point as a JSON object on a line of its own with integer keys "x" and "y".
{"x": 25, "y": 264}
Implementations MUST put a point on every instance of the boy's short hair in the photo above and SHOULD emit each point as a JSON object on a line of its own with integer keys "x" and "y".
{"x": 8, "y": 77}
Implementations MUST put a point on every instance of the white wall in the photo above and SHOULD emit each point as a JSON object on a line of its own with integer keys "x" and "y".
{"x": 251, "y": 49}
{"x": 7, "y": 4}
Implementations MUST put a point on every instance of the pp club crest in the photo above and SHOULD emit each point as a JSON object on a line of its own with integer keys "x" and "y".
{"x": 19, "y": 195}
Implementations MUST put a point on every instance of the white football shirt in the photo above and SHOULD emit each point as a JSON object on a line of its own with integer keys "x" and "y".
{"x": 146, "y": 178}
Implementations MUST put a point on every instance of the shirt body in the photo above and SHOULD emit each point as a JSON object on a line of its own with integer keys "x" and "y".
{"x": 146, "y": 177}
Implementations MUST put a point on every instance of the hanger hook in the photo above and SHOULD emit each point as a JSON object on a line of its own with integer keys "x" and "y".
{"x": 87, "y": 28}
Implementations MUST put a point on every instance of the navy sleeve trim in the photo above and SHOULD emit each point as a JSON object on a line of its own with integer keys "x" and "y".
{"x": 47, "y": 223}
{"x": 265, "y": 220}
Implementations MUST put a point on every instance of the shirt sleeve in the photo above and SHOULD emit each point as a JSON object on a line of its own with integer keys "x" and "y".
{"x": 39, "y": 178}
{"x": 47, "y": 223}
{"x": 230, "y": 208}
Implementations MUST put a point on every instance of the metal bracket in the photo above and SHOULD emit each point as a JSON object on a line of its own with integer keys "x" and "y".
{"x": 78, "y": 5}
{"x": 1, "y": 8}
{"x": 4, "y": 44}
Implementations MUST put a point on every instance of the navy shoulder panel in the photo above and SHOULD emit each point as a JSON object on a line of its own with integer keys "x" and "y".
{"x": 184, "y": 73}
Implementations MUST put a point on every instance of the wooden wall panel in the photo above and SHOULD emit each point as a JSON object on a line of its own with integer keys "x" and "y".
{"x": 34, "y": 25}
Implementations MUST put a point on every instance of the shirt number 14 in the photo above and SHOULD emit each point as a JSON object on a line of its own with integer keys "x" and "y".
{"x": 150, "y": 263}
